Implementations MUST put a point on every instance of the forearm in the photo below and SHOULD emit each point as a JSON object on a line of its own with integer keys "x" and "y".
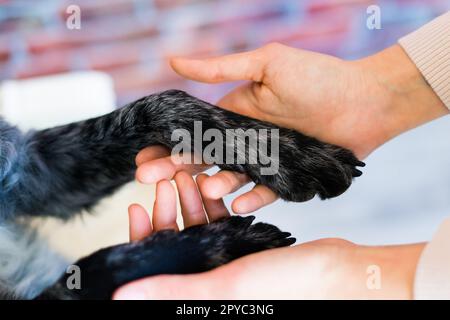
{"x": 411, "y": 101}
{"x": 415, "y": 77}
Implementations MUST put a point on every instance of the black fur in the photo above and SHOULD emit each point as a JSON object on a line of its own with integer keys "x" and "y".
{"x": 195, "y": 249}
{"x": 59, "y": 171}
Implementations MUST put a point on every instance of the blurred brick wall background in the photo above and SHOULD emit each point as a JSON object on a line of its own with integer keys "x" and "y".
{"x": 131, "y": 39}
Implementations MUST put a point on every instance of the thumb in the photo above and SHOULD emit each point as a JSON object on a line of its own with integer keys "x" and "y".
{"x": 171, "y": 287}
{"x": 241, "y": 66}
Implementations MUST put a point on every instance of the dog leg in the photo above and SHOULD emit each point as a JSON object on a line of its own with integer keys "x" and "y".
{"x": 62, "y": 170}
{"x": 195, "y": 249}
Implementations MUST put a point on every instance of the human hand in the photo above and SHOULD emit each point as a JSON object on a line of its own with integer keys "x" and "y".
{"x": 358, "y": 105}
{"x": 325, "y": 269}
{"x": 195, "y": 207}
{"x": 155, "y": 164}
{"x": 322, "y": 269}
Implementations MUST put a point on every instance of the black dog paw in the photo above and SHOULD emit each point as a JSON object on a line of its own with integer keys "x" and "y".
{"x": 195, "y": 249}
{"x": 300, "y": 168}
{"x": 306, "y": 167}
{"x": 239, "y": 236}
{"x": 309, "y": 167}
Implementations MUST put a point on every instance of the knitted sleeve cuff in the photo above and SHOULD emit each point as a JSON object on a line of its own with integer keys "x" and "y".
{"x": 432, "y": 280}
{"x": 429, "y": 48}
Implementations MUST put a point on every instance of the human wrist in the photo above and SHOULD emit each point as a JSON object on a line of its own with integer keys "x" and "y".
{"x": 397, "y": 267}
{"x": 410, "y": 101}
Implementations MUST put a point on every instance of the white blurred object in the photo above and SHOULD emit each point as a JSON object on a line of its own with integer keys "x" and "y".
{"x": 54, "y": 100}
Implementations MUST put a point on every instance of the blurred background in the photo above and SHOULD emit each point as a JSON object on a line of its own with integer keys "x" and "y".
{"x": 52, "y": 74}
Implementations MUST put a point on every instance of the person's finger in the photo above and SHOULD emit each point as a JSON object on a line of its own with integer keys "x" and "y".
{"x": 223, "y": 183}
{"x": 253, "y": 200}
{"x": 240, "y": 66}
{"x": 165, "y": 169}
{"x": 139, "y": 222}
{"x": 165, "y": 207}
{"x": 151, "y": 153}
{"x": 190, "y": 200}
{"x": 207, "y": 285}
{"x": 215, "y": 209}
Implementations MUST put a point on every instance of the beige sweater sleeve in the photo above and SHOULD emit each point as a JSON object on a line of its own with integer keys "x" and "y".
{"x": 432, "y": 280}
{"x": 429, "y": 48}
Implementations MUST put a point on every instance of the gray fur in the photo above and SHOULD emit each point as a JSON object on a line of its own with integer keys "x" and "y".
{"x": 27, "y": 265}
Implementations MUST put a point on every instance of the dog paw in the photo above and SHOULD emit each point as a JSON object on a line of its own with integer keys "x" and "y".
{"x": 294, "y": 166}
{"x": 237, "y": 236}
{"x": 305, "y": 167}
